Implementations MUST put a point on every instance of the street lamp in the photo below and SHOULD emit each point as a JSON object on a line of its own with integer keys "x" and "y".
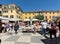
{"x": 31, "y": 21}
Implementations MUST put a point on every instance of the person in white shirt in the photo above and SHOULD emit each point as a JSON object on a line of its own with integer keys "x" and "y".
{"x": 44, "y": 27}
{"x": 3, "y": 27}
{"x": 7, "y": 27}
{"x": 34, "y": 29}
{"x": 10, "y": 31}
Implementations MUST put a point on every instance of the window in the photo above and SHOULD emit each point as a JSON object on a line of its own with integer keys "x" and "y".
{"x": 53, "y": 12}
{"x": 29, "y": 17}
{"x": 45, "y": 17}
{"x": 4, "y": 7}
{"x": 18, "y": 16}
{"x": 11, "y": 16}
{"x": 25, "y": 17}
{"x": 5, "y": 16}
{"x": 49, "y": 16}
{"x": 11, "y": 11}
{"x": 5, "y": 11}
{"x": 49, "y": 12}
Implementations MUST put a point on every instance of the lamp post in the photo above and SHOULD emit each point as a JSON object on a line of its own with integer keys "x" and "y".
{"x": 31, "y": 21}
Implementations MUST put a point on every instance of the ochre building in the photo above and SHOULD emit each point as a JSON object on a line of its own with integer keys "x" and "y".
{"x": 14, "y": 11}
{"x": 48, "y": 15}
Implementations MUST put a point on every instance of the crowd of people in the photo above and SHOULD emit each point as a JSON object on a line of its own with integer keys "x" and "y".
{"x": 8, "y": 27}
{"x": 52, "y": 28}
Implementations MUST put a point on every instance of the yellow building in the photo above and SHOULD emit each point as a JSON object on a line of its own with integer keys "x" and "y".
{"x": 28, "y": 15}
{"x": 13, "y": 11}
{"x": 47, "y": 14}
{"x": 10, "y": 11}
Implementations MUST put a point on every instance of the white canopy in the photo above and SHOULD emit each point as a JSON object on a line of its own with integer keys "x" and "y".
{"x": 4, "y": 18}
{"x": 5, "y": 21}
{"x": 12, "y": 19}
{"x": 35, "y": 20}
{"x": 27, "y": 20}
{"x": 31, "y": 20}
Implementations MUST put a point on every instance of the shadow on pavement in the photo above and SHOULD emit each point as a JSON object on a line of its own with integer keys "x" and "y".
{"x": 40, "y": 32}
{"x": 51, "y": 41}
{"x": 28, "y": 31}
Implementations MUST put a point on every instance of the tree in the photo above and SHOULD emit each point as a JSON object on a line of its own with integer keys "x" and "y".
{"x": 40, "y": 17}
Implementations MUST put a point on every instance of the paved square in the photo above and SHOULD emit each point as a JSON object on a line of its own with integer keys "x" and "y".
{"x": 27, "y": 38}
{"x": 26, "y": 34}
{"x": 24, "y": 39}
{"x": 12, "y": 38}
{"x": 22, "y": 43}
{"x": 36, "y": 39}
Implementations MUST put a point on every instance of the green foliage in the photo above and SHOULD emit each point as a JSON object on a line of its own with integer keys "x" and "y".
{"x": 40, "y": 17}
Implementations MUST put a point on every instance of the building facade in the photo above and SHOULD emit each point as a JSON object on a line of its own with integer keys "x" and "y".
{"x": 10, "y": 11}
{"x": 48, "y": 15}
{"x": 13, "y": 11}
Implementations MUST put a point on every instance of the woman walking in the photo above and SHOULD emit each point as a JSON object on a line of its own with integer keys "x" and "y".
{"x": 16, "y": 27}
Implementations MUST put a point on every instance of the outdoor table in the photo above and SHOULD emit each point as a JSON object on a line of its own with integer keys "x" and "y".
{"x": 28, "y": 28}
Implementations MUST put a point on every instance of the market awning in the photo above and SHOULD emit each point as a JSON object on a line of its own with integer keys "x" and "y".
{"x": 5, "y": 21}
{"x": 35, "y": 20}
{"x": 12, "y": 19}
{"x": 4, "y": 18}
{"x": 27, "y": 20}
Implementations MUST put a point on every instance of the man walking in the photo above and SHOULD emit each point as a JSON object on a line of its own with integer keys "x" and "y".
{"x": 0, "y": 41}
{"x": 44, "y": 27}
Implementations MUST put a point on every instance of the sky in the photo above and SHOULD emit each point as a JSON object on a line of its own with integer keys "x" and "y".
{"x": 34, "y": 5}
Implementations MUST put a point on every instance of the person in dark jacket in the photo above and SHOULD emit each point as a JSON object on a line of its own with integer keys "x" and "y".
{"x": 0, "y": 26}
{"x": 0, "y": 41}
{"x": 59, "y": 25}
{"x": 53, "y": 30}
{"x": 16, "y": 27}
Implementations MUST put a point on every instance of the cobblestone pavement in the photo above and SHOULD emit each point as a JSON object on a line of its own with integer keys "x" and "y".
{"x": 27, "y": 38}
